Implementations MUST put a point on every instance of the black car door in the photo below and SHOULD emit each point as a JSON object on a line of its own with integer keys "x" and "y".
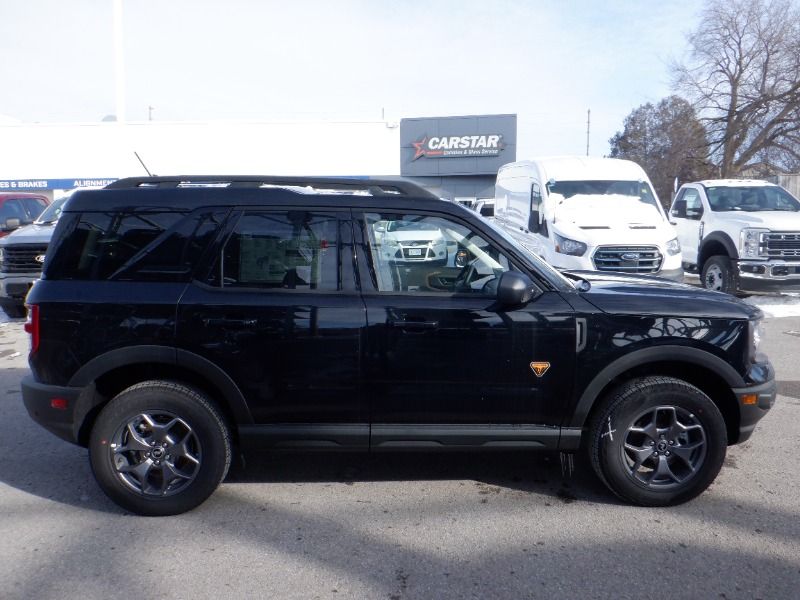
{"x": 279, "y": 313}
{"x": 444, "y": 362}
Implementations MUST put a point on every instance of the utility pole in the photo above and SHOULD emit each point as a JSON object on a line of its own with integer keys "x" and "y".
{"x": 588, "y": 124}
{"x": 150, "y": 113}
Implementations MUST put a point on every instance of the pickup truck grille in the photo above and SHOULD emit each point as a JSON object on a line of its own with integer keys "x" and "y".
{"x": 782, "y": 244}
{"x": 628, "y": 259}
{"x": 21, "y": 258}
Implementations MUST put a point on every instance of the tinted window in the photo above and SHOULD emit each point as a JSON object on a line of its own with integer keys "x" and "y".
{"x": 282, "y": 250}
{"x": 430, "y": 254}
{"x": 99, "y": 245}
{"x": 34, "y": 208}
{"x": 12, "y": 209}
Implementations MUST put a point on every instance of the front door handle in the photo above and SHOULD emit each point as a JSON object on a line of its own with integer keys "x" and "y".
{"x": 230, "y": 323}
{"x": 414, "y": 325}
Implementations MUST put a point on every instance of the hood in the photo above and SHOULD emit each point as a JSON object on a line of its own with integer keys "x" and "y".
{"x": 654, "y": 296}
{"x": 774, "y": 220}
{"x": 411, "y": 235}
{"x": 29, "y": 234}
{"x": 608, "y": 212}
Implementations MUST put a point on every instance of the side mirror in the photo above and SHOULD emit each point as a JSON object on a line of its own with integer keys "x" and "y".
{"x": 514, "y": 289}
{"x": 11, "y": 223}
{"x": 380, "y": 229}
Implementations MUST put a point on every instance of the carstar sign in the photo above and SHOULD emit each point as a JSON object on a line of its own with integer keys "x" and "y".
{"x": 458, "y": 146}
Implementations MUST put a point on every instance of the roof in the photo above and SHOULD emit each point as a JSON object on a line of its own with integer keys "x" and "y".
{"x": 192, "y": 191}
{"x": 584, "y": 168}
{"x": 735, "y": 183}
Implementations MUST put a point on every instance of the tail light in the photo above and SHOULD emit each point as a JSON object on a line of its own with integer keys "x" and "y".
{"x": 32, "y": 326}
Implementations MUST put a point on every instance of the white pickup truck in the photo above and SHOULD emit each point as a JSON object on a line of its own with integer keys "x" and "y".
{"x": 740, "y": 235}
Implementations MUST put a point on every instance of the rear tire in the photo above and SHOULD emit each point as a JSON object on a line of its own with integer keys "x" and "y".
{"x": 657, "y": 441}
{"x": 159, "y": 448}
{"x": 718, "y": 275}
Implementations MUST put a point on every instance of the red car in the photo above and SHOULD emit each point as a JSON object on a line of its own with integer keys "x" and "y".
{"x": 19, "y": 208}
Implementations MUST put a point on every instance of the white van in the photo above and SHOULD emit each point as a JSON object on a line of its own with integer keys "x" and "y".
{"x": 587, "y": 213}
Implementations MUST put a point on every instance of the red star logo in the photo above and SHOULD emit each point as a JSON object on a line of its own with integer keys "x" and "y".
{"x": 420, "y": 147}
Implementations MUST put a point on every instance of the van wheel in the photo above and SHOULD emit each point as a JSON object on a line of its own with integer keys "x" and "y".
{"x": 159, "y": 448}
{"x": 657, "y": 441}
{"x": 718, "y": 275}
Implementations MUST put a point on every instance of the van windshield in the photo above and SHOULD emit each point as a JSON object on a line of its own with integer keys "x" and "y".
{"x": 640, "y": 189}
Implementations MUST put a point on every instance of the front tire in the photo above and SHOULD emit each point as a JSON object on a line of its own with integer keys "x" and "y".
{"x": 159, "y": 448}
{"x": 15, "y": 311}
{"x": 718, "y": 275}
{"x": 657, "y": 441}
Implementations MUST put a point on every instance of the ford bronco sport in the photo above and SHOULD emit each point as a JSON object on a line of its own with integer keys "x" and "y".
{"x": 180, "y": 318}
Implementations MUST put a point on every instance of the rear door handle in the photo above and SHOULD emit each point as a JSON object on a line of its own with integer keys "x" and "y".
{"x": 414, "y": 325}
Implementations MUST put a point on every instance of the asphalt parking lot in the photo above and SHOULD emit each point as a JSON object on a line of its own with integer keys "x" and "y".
{"x": 402, "y": 526}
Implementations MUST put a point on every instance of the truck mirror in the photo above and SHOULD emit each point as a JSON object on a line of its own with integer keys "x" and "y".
{"x": 11, "y": 223}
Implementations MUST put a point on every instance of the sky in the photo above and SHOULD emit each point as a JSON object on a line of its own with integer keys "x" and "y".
{"x": 547, "y": 61}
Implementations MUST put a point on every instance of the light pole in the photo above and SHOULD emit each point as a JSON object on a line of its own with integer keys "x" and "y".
{"x": 119, "y": 62}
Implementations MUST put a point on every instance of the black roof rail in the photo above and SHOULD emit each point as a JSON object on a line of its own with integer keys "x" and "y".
{"x": 372, "y": 187}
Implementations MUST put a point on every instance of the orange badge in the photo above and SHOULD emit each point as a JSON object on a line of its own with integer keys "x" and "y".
{"x": 540, "y": 368}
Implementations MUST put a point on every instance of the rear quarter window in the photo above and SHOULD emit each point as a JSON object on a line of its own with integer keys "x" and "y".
{"x": 137, "y": 245}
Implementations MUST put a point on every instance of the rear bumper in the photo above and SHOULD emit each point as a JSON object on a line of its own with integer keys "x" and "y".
{"x": 751, "y": 414}
{"x": 63, "y": 422}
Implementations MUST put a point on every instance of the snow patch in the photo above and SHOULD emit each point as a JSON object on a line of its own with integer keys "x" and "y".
{"x": 784, "y": 305}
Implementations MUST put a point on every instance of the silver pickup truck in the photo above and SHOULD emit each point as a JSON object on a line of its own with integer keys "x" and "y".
{"x": 21, "y": 258}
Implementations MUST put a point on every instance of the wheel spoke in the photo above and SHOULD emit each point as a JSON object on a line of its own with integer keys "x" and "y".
{"x": 133, "y": 442}
{"x": 641, "y": 454}
{"x": 685, "y": 452}
{"x": 663, "y": 470}
{"x": 140, "y": 470}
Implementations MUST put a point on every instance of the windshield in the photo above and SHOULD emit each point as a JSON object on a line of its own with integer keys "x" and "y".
{"x": 751, "y": 199}
{"x": 556, "y": 276}
{"x": 51, "y": 213}
{"x": 639, "y": 189}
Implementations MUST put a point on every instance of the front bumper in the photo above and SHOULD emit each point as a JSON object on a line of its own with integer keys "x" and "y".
{"x": 752, "y": 410}
{"x": 772, "y": 276}
{"x": 14, "y": 287}
{"x": 63, "y": 422}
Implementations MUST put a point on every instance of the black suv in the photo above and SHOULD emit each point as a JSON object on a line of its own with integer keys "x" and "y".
{"x": 180, "y": 318}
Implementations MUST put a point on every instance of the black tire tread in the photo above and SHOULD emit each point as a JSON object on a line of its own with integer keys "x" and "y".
{"x": 189, "y": 393}
{"x": 609, "y": 405}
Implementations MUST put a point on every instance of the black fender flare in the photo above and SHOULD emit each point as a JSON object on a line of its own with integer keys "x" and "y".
{"x": 684, "y": 354}
{"x": 722, "y": 238}
{"x": 132, "y": 355}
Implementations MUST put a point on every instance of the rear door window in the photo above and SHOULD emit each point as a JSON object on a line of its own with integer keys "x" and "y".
{"x": 292, "y": 250}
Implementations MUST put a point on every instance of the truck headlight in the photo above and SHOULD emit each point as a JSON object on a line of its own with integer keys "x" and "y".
{"x": 756, "y": 335}
{"x": 751, "y": 244}
{"x": 673, "y": 247}
{"x": 568, "y": 246}
{"x": 2, "y": 255}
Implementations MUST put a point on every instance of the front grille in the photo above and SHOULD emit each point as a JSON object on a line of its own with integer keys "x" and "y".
{"x": 628, "y": 259}
{"x": 782, "y": 244}
{"x": 21, "y": 258}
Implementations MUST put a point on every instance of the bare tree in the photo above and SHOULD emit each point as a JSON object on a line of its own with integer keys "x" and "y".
{"x": 743, "y": 78}
{"x": 667, "y": 140}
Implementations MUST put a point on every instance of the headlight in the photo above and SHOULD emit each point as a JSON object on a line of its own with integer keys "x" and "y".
{"x": 673, "y": 247}
{"x": 568, "y": 246}
{"x": 750, "y": 244}
{"x": 756, "y": 335}
{"x": 2, "y": 255}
